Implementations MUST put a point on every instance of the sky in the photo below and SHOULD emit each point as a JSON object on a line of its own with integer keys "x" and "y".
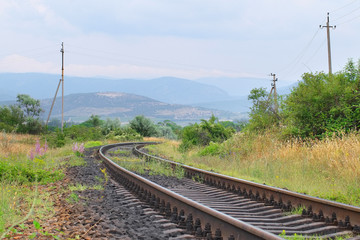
{"x": 190, "y": 39}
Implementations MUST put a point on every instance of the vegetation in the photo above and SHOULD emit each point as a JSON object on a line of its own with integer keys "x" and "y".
{"x": 22, "y": 117}
{"x": 204, "y": 133}
{"x": 25, "y": 164}
{"x": 321, "y": 104}
{"x": 318, "y": 107}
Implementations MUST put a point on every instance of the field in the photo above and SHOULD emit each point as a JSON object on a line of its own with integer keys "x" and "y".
{"x": 329, "y": 168}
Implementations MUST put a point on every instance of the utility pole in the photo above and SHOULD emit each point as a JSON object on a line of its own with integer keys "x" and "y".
{"x": 62, "y": 80}
{"x": 52, "y": 105}
{"x": 328, "y": 41}
{"x": 273, "y": 89}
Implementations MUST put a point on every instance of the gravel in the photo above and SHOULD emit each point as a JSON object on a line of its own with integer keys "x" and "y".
{"x": 112, "y": 213}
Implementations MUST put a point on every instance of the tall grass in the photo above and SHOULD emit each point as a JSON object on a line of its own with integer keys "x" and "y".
{"x": 20, "y": 174}
{"x": 328, "y": 168}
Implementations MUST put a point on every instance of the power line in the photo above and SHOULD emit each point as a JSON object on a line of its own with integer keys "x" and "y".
{"x": 347, "y": 14}
{"x": 350, "y": 20}
{"x": 317, "y": 50}
{"x": 113, "y": 56}
{"x": 346, "y": 5}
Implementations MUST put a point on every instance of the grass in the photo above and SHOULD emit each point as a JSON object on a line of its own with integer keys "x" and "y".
{"x": 329, "y": 168}
{"x": 300, "y": 237}
{"x": 27, "y": 188}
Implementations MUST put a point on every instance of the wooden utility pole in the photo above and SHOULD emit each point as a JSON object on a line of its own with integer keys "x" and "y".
{"x": 273, "y": 89}
{"x": 62, "y": 80}
{"x": 328, "y": 40}
{"x": 52, "y": 105}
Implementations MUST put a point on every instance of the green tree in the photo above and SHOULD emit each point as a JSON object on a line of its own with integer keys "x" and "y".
{"x": 262, "y": 115}
{"x": 144, "y": 126}
{"x": 11, "y": 118}
{"x": 31, "y": 111}
{"x": 323, "y": 104}
{"x": 29, "y": 105}
{"x": 93, "y": 121}
{"x": 110, "y": 125}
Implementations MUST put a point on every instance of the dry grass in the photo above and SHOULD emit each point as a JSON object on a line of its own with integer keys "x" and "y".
{"x": 328, "y": 168}
{"x": 14, "y": 144}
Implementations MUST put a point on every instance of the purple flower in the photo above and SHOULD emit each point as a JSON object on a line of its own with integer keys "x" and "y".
{"x": 78, "y": 149}
{"x": 38, "y": 150}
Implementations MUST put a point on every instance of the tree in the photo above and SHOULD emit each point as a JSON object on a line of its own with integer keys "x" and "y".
{"x": 110, "y": 125}
{"x": 11, "y": 118}
{"x": 262, "y": 115}
{"x": 28, "y": 121}
{"x": 144, "y": 126}
{"x": 93, "y": 121}
{"x": 29, "y": 105}
{"x": 323, "y": 104}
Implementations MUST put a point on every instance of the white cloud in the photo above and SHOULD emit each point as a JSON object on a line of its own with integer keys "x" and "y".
{"x": 17, "y": 63}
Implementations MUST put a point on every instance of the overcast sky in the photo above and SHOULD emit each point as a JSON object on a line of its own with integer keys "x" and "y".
{"x": 182, "y": 38}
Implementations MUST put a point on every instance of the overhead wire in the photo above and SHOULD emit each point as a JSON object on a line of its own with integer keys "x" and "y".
{"x": 28, "y": 50}
{"x": 116, "y": 56}
{"x": 346, "y": 5}
{"x": 347, "y": 14}
{"x": 350, "y": 20}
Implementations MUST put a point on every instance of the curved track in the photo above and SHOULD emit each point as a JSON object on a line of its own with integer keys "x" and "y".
{"x": 235, "y": 208}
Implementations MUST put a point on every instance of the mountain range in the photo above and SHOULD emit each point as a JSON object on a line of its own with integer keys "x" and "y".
{"x": 166, "y": 89}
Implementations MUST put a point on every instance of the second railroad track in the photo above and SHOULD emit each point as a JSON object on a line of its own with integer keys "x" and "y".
{"x": 216, "y": 206}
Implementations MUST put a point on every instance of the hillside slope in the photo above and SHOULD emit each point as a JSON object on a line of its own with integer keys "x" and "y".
{"x": 78, "y": 107}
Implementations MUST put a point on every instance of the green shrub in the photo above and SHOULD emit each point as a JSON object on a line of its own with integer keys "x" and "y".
{"x": 204, "y": 133}
{"x": 124, "y": 134}
{"x": 91, "y": 144}
{"x": 212, "y": 150}
{"x": 23, "y": 172}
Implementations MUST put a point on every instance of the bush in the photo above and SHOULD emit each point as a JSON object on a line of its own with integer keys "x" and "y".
{"x": 321, "y": 104}
{"x": 212, "y": 150}
{"x": 205, "y": 132}
{"x": 144, "y": 126}
{"x": 124, "y": 134}
{"x": 27, "y": 172}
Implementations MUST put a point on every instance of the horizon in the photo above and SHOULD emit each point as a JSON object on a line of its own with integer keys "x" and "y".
{"x": 190, "y": 40}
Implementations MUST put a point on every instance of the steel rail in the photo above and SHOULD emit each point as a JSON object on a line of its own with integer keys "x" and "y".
{"x": 230, "y": 227}
{"x": 346, "y": 216}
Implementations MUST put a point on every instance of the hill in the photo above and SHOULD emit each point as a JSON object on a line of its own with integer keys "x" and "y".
{"x": 165, "y": 89}
{"x": 79, "y": 107}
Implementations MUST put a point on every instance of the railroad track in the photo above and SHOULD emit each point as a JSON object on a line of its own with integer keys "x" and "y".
{"x": 222, "y": 207}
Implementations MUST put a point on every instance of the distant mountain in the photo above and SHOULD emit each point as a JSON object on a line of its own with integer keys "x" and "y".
{"x": 166, "y": 89}
{"x": 241, "y": 104}
{"x": 238, "y": 105}
{"x": 79, "y": 107}
{"x": 241, "y": 86}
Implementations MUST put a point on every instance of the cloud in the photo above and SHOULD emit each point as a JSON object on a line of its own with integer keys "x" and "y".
{"x": 18, "y": 63}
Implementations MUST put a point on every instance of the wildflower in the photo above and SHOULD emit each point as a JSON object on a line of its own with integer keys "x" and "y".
{"x": 38, "y": 150}
{"x": 32, "y": 155}
{"x": 78, "y": 149}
